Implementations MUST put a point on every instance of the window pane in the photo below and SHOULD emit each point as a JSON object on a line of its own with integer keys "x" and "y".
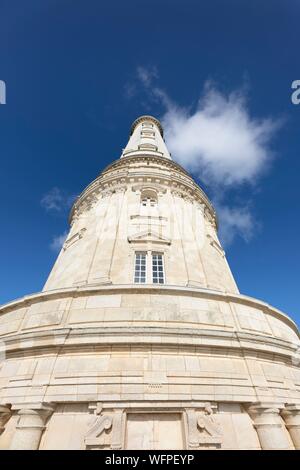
{"x": 157, "y": 269}
{"x": 148, "y": 200}
{"x": 140, "y": 268}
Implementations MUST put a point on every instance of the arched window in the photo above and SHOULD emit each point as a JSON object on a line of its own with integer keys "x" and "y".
{"x": 148, "y": 198}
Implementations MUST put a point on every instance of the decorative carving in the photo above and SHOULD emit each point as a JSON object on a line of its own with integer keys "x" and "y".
{"x": 107, "y": 193}
{"x": 99, "y": 424}
{"x": 203, "y": 428}
{"x": 86, "y": 204}
{"x": 149, "y": 236}
{"x": 106, "y": 431}
{"x": 74, "y": 239}
{"x": 120, "y": 189}
{"x": 5, "y": 414}
{"x": 154, "y": 388}
{"x": 211, "y": 217}
{"x": 192, "y": 197}
{"x": 193, "y": 435}
{"x": 117, "y": 177}
{"x": 210, "y": 430}
{"x": 153, "y": 186}
{"x": 216, "y": 245}
{"x": 118, "y": 429}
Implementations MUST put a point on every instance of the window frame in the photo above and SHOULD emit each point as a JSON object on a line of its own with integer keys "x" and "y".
{"x": 152, "y": 265}
{"x": 138, "y": 275}
{"x": 158, "y": 256}
{"x": 149, "y": 198}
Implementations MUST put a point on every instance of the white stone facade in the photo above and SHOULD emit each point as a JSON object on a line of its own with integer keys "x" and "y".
{"x": 98, "y": 360}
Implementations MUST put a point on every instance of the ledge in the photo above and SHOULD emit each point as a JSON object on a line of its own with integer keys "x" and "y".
{"x": 86, "y": 338}
{"x": 150, "y": 289}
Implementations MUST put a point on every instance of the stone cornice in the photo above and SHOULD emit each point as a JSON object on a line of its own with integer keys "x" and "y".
{"x": 121, "y": 174}
{"x": 205, "y": 339}
{"x": 148, "y": 289}
{"x": 170, "y": 164}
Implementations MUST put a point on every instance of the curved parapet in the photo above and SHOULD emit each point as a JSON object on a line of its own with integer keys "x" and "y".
{"x": 247, "y": 348}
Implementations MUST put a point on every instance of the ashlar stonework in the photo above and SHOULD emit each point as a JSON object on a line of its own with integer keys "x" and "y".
{"x": 140, "y": 338}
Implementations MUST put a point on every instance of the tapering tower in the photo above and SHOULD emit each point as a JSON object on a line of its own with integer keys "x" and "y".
{"x": 143, "y": 203}
{"x": 141, "y": 325}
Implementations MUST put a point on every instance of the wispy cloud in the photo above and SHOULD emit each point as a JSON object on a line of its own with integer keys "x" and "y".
{"x": 130, "y": 90}
{"x": 57, "y": 200}
{"x": 218, "y": 141}
{"x": 235, "y": 221}
{"x": 143, "y": 79}
{"x": 147, "y": 74}
{"x": 58, "y": 241}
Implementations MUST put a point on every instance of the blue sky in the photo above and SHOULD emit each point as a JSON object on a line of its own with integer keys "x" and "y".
{"x": 78, "y": 73}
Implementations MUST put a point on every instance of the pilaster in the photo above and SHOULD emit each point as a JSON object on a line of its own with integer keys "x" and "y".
{"x": 269, "y": 426}
{"x": 291, "y": 416}
{"x": 30, "y": 426}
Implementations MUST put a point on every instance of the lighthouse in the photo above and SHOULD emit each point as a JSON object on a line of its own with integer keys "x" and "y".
{"x": 140, "y": 338}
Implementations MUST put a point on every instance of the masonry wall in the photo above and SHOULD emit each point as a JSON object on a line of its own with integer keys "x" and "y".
{"x": 104, "y": 236}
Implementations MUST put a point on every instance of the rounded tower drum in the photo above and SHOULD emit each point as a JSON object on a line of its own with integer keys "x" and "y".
{"x": 140, "y": 338}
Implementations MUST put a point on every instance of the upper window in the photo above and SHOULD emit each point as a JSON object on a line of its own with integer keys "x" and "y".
{"x": 148, "y": 202}
{"x": 157, "y": 269}
{"x": 140, "y": 268}
{"x": 149, "y": 198}
{"x": 149, "y": 267}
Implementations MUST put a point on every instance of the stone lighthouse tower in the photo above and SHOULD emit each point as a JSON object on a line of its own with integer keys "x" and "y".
{"x": 140, "y": 338}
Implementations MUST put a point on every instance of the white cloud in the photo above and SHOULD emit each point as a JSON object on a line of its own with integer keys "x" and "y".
{"x": 58, "y": 241}
{"x": 235, "y": 221}
{"x": 220, "y": 143}
{"x": 57, "y": 200}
